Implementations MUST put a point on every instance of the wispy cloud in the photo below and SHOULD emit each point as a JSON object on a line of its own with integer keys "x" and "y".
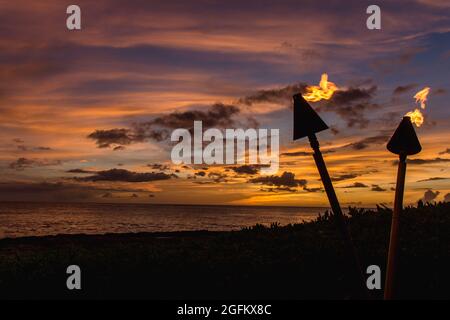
{"x": 218, "y": 115}
{"x": 24, "y": 163}
{"x": 355, "y": 185}
{"x": 123, "y": 175}
{"x": 377, "y": 188}
{"x": 433, "y": 179}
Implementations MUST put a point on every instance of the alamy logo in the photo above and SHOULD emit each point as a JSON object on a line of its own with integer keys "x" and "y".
{"x": 373, "y": 22}
{"x": 374, "y": 279}
{"x": 73, "y": 22}
{"x": 74, "y": 279}
{"x": 229, "y": 147}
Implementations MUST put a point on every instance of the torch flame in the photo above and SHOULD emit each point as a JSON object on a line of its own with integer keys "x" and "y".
{"x": 421, "y": 97}
{"x": 416, "y": 117}
{"x": 324, "y": 90}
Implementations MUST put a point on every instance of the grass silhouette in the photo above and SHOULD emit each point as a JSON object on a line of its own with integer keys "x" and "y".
{"x": 301, "y": 261}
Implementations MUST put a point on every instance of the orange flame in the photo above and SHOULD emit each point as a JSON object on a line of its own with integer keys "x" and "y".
{"x": 324, "y": 90}
{"x": 421, "y": 96}
{"x": 416, "y": 116}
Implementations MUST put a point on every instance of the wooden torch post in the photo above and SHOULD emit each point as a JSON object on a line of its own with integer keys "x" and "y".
{"x": 404, "y": 142}
{"x": 306, "y": 124}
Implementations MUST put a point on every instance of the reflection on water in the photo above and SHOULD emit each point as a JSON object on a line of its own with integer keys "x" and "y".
{"x": 32, "y": 219}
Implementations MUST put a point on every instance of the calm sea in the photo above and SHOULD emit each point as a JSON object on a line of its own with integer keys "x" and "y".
{"x": 37, "y": 219}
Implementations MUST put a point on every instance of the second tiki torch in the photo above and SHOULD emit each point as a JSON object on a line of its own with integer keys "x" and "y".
{"x": 404, "y": 143}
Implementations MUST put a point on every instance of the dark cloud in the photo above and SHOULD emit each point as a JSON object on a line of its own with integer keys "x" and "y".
{"x": 214, "y": 176}
{"x": 433, "y": 179}
{"x": 158, "y": 166}
{"x": 248, "y": 169}
{"x": 278, "y": 189}
{"x": 351, "y": 95}
{"x": 24, "y": 163}
{"x": 334, "y": 130}
{"x": 424, "y": 161}
{"x": 284, "y": 183}
{"x": 126, "y": 176}
{"x": 279, "y": 96}
{"x": 402, "y": 89}
{"x": 21, "y": 164}
{"x": 22, "y": 147}
{"x": 107, "y": 195}
{"x": 218, "y": 115}
{"x": 355, "y": 185}
{"x": 351, "y": 105}
{"x": 40, "y": 148}
{"x": 366, "y": 142}
{"x": 429, "y": 195}
{"x": 296, "y": 154}
{"x": 218, "y": 177}
{"x": 312, "y": 189}
{"x": 346, "y": 176}
{"x": 200, "y": 173}
{"x": 107, "y": 138}
{"x": 80, "y": 171}
{"x": 354, "y": 115}
{"x": 304, "y": 153}
{"x": 447, "y": 151}
{"x": 287, "y": 179}
{"x": 377, "y": 188}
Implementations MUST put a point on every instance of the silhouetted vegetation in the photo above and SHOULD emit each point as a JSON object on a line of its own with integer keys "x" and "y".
{"x": 283, "y": 262}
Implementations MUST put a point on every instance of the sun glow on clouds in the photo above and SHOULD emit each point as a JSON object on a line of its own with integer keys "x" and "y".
{"x": 58, "y": 87}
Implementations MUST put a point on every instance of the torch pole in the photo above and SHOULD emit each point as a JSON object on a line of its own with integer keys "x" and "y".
{"x": 339, "y": 217}
{"x": 393, "y": 242}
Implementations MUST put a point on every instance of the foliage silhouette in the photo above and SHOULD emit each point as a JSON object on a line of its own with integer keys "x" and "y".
{"x": 301, "y": 261}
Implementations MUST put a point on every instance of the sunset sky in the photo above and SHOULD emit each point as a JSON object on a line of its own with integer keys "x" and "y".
{"x": 84, "y": 115}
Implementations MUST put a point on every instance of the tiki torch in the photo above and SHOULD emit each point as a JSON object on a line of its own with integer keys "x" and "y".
{"x": 306, "y": 124}
{"x": 404, "y": 142}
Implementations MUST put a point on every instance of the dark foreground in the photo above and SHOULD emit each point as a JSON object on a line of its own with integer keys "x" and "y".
{"x": 305, "y": 261}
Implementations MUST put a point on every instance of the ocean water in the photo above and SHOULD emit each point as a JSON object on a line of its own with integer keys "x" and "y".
{"x": 38, "y": 219}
